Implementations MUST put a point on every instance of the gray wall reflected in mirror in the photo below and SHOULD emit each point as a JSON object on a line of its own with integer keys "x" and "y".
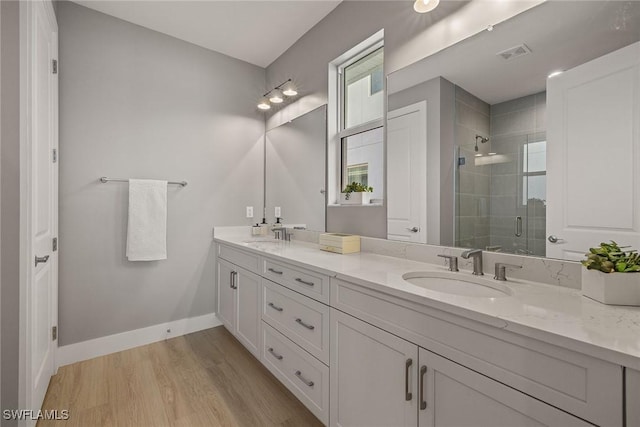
{"x": 488, "y": 134}
{"x": 295, "y": 161}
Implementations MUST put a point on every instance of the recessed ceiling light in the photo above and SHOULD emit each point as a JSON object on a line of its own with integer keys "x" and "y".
{"x": 424, "y": 6}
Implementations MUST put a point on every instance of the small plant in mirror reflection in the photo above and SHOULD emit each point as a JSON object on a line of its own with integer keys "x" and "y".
{"x": 356, "y": 187}
{"x": 610, "y": 257}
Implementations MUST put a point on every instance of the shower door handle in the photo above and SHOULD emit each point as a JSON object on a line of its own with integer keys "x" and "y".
{"x": 518, "y": 231}
{"x": 554, "y": 239}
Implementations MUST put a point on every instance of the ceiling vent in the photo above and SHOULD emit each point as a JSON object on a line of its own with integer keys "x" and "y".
{"x": 514, "y": 52}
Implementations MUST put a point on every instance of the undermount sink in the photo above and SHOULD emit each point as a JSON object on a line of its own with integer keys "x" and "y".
{"x": 457, "y": 284}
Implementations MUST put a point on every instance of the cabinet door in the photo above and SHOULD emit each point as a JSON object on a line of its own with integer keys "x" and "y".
{"x": 373, "y": 375}
{"x": 248, "y": 321}
{"x": 226, "y": 295}
{"x": 452, "y": 395}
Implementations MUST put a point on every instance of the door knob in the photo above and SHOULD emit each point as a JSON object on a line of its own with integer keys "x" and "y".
{"x": 413, "y": 229}
{"x": 553, "y": 239}
{"x": 41, "y": 259}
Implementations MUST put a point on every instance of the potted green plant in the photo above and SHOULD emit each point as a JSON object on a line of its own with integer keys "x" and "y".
{"x": 612, "y": 274}
{"x": 356, "y": 194}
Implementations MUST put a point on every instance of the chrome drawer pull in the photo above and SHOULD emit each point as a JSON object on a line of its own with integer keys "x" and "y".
{"x": 275, "y": 271}
{"x": 423, "y": 403}
{"x": 310, "y": 327}
{"x": 304, "y": 282}
{"x": 407, "y": 394}
{"x": 275, "y": 307}
{"x": 276, "y": 355}
{"x": 40, "y": 259}
{"x": 303, "y": 379}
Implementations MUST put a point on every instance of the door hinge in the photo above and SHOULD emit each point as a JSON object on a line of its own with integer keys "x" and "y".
{"x": 55, "y": 155}
{"x": 54, "y": 333}
{"x": 54, "y": 244}
{"x": 54, "y": 66}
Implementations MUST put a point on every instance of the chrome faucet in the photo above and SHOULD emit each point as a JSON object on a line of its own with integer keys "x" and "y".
{"x": 501, "y": 270}
{"x": 476, "y": 254}
{"x": 453, "y": 261}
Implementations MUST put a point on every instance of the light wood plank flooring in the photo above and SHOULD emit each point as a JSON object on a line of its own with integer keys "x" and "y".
{"x": 202, "y": 379}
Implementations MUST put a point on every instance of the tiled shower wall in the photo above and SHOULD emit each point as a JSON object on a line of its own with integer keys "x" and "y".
{"x": 513, "y": 124}
{"x": 473, "y": 183}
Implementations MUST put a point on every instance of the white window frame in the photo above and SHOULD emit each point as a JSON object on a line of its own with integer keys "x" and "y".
{"x": 336, "y": 167}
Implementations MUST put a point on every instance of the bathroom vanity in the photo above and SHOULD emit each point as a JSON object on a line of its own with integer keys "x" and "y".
{"x": 359, "y": 344}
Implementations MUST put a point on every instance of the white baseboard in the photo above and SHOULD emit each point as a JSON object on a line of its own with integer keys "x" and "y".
{"x": 85, "y": 350}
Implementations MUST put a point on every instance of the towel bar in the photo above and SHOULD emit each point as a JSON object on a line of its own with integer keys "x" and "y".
{"x": 104, "y": 179}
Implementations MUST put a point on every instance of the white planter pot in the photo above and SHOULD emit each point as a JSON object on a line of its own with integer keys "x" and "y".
{"x": 362, "y": 198}
{"x": 611, "y": 288}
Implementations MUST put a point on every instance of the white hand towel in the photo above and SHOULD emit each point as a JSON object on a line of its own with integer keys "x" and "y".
{"x": 147, "y": 228}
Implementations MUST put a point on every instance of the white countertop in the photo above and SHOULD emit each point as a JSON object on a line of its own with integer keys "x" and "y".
{"x": 549, "y": 313}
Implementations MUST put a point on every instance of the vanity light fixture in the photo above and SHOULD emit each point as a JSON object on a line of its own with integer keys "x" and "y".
{"x": 424, "y": 6}
{"x": 277, "y": 95}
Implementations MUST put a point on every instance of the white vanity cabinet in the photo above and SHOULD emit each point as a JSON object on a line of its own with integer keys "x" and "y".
{"x": 632, "y": 384}
{"x": 588, "y": 388}
{"x": 379, "y": 379}
{"x": 239, "y": 303}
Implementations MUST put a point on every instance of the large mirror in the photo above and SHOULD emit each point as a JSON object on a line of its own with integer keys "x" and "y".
{"x": 295, "y": 161}
{"x": 524, "y": 138}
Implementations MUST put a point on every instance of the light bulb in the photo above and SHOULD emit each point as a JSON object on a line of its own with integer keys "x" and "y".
{"x": 290, "y": 89}
{"x": 276, "y": 96}
{"x": 424, "y": 6}
{"x": 264, "y": 104}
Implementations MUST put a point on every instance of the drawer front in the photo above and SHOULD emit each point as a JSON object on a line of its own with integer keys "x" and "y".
{"x": 240, "y": 258}
{"x": 581, "y": 385}
{"x": 303, "y": 320}
{"x": 313, "y": 285}
{"x": 301, "y": 373}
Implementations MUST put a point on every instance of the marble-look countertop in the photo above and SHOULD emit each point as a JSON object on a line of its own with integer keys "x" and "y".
{"x": 554, "y": 314}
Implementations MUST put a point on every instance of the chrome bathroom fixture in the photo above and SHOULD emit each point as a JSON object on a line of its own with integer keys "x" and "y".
{"x": 482, "y": 140}
{"x": 104, "y": 180}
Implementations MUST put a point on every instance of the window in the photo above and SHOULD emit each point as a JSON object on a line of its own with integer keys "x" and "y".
{"x": 534, "y": 168}
{"x": 360, "y": 127}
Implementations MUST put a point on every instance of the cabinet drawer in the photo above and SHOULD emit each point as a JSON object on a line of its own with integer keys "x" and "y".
{"x": 303, "y": 320}
{"x": 240, "y": 258}
{"x": 301, "y": 373}
{"x": 579, "y": 384}
{"x": 313, "y": 285}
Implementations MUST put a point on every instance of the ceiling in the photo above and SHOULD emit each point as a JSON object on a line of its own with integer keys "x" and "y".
{"x": 560, "y": 35}
{"x": 255, "y": 31}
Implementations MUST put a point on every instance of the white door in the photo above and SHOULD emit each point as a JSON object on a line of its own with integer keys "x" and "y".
{"x": 593, "y": 155}
{"x": 248, "y": 310}
{"x": 227, "y": 295}
{"x": 373, "y": 379}
{"x": 407, "y": 173}
{"x": 41, "y": 47}
{"x": 451, "y": 395}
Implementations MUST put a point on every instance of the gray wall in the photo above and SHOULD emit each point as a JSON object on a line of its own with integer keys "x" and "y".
{"x": 472, "y": 186}
{"x": 136, "y": 103}
{"x": 9, "y": 203}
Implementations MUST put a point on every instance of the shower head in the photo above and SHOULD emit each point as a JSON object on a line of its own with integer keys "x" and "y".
{"x": 481, "y": 138}
{"x": 482, "y": 141}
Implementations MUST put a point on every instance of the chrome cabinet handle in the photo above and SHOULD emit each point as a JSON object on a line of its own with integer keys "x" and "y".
{"x": 41, "y": 259}
{"x": 306, "y": 325}
{"x": 275, "y": 271}
{"x": 234, "y": 280}
{"x": 423, "y": 403}
{"x": 275, "y": 307}
{"x": 276, "y": 355}
{"x": 413, "y": 229}
{"x": 304, "y": 282}
{"x": 518, "y": 231}
{"x": 303, "y": 379}
{"x": 407, "y": 394}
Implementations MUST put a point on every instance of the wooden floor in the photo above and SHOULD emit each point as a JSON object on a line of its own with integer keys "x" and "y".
{"x": 202, "y": 379}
